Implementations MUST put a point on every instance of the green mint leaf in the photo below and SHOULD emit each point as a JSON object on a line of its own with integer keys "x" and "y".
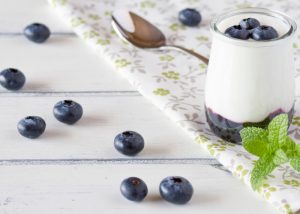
{"x": 280, "y": 157}
{"x": 298, "y": 149}
{"x": 273, "y": 146}
{"x": 254, "y": 140}
{"x": 278, "y": 131}
{"x": 289, "y": 147}
{"x": 262, "y": 168}
{"x": 295, "y": 163}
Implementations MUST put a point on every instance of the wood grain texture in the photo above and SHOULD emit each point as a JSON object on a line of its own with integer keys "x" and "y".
{"x": 16, "y": 15}
{"x": 93, "y": 189}
{"x": 92, "y": 137}
{"x": 61, "y": 64}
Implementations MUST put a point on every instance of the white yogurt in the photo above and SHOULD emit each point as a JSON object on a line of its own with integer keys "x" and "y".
{"x": 248, "y": 80}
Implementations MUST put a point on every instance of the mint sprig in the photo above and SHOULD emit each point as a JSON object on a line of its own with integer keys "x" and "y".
{"x": 295, "y": 163}
{"x": 255, "y": 140}
{"x": 273, "y": 146}
{"x": 262, "y": 168}
{"x": 298, "y": 149}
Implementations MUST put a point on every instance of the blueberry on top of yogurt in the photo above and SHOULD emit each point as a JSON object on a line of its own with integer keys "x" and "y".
{"x": 264, "y": 32}
{"x": 249, "y": 23}
{"x": 237, "y": 32}
{"x": 251, "y": 28}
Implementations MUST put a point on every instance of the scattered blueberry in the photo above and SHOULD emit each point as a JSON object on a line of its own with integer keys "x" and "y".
{"x": 134, "y": 189}
{"x": 237, "y": 32}
{"x": 129, "y": 143}
{"x": 67, "y": 111}
{"x": 249, "y": 23}
{"x": 264, "y": 33}
{"x": 37, "y": 32}
{"x": 189, "y": 17}
{"x": 31, "y": 127}
{"x": 12, "y": 79}
{"x": 175, "y": 189}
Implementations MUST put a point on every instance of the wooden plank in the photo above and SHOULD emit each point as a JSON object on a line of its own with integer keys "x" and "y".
{"x": 53, "y": 65}
{"x": 95, "y": 188}
{"x": 92, "y": 137}
{"x": 15, "y": 15}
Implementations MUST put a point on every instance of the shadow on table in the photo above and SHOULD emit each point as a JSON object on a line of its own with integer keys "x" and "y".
{"x": 90, "y": 120}
{"x": 54, "y": 134}
{"x": 35, "y": 87}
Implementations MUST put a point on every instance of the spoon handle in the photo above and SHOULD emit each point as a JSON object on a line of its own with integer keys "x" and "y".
{"x": 176, "y": 47}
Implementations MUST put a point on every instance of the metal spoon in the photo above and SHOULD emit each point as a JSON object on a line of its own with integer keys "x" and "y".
{"x": 141, "y": 33}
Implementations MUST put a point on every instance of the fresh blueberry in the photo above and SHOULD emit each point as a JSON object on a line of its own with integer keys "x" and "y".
{"x": 37, "y": 32}
{"x": 129, "y": 143}
{"x": 175, "y": 189}
{"x": 264, "y": 32}
{"x": 237, "y": 32}
{"x": 134, "y": 189}
{"x": 12, "y": 79}
{"x": 249, "y": 23}
{"x": 67, "y": 111}
{"x": 189, "y": 17}
{"x": 31, "y": 127}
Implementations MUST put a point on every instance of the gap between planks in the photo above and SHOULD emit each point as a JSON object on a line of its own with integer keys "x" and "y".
{"x": 6, "y": 34}
{"x": 201, "y": 161}
{"x": 70, "y": 93}
{"x": 116, "y": 161}
{"x": 67, "y": 93}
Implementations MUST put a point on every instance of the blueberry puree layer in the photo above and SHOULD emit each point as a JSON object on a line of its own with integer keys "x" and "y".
{"x": 229, "y": 130}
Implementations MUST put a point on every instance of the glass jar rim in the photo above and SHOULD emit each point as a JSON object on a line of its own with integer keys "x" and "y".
{"x": 256, "y": 10}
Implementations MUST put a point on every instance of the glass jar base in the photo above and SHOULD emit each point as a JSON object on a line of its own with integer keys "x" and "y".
{"x": 229, "y": 130}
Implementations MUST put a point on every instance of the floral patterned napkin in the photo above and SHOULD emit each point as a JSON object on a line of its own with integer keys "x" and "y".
{"x": 174, "y": 81}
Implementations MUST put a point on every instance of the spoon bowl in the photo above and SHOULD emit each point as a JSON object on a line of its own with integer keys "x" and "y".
{"x": 145, "y": 34}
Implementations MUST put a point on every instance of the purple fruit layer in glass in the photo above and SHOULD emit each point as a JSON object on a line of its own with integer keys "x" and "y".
{"x": 230, "y": 131}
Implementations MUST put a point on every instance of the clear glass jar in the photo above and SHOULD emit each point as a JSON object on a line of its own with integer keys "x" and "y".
{"x": 249, "y": 82}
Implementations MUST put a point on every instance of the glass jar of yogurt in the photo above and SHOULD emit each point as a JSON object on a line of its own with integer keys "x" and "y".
{"x": 249, "y": 82}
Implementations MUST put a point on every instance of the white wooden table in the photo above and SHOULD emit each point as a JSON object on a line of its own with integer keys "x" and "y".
{"x": 75, "y": 169}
